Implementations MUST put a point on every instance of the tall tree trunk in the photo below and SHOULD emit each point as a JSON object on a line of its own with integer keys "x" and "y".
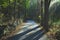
{"x": 46, "y": 15}
{"x": 42, "y": 13}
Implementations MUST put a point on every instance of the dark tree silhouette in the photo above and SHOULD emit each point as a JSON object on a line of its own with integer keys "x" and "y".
{"x": 46, "y": 15}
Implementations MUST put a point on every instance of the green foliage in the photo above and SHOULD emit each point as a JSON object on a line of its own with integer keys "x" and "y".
{"x": 9, "y": 11}
{"x": 27, "y": 3}
{"x": 54, "y": 10}
{"x": 5, "y": 4}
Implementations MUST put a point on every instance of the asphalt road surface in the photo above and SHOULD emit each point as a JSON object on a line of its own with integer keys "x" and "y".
{"x": 31, "y": 31}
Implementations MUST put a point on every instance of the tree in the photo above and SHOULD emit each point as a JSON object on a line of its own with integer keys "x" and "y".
{"x": 46, "y": 15}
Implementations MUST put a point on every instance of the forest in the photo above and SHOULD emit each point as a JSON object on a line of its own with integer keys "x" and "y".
{"x": 16, "y": 12}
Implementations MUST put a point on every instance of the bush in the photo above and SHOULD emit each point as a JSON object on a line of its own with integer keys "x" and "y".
{"x": 2, "y": 30}
{"x": 57, "y": 35}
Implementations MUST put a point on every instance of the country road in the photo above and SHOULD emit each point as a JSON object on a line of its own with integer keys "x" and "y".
{"x": 30, "y": 31}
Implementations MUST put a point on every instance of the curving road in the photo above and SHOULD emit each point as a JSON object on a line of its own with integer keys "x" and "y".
{"x": 31, "y": 31}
